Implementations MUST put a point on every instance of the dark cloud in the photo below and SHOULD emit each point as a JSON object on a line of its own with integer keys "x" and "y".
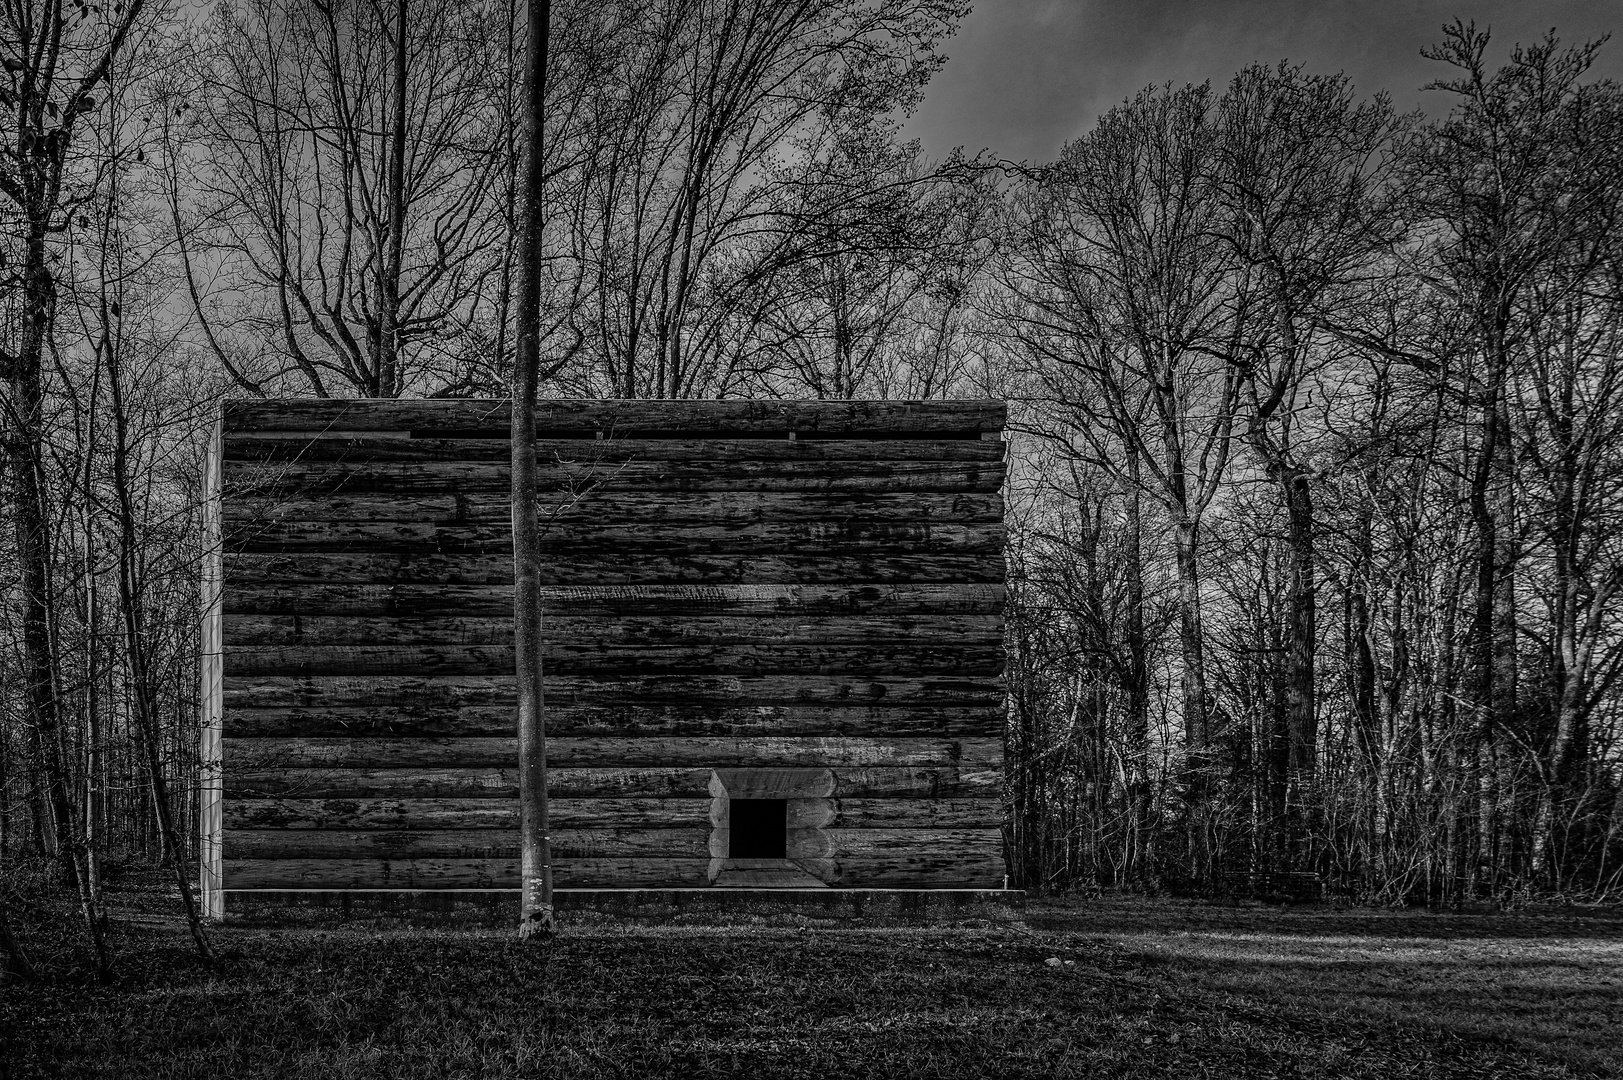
{"x": 1026, "y": 75}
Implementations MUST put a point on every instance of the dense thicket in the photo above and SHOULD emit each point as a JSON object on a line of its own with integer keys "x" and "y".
{"x": 1314, "y": 519}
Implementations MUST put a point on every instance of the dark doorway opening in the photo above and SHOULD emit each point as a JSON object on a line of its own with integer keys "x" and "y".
{"x": 757, "y": 829}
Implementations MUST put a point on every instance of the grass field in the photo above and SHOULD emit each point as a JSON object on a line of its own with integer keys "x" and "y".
{"x": 1142, "y": 988}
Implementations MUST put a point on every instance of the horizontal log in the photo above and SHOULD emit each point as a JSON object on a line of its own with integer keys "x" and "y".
{"x": 697, "y": 840}
{"x": 973, "y": 658}
{"x": 757, "y": 782}
{"x": 366, "y": 630}
{"x": 984, "y": 870}
{"x": 459, "y": 873}
{"x": 872, "y": 565}
{"x": 618, "y": 417}
{"x": 618, "y": 542}
{"x": 458, "y": 691}
{"x": 245, "y": 447}
{"x": 985, "y": 813}
{"x": 465, "y": 813}
{"x": 868, "y": 813}
{"x": 946, "y": 844}
{"x": 617, "y": 717}
{"x": 629, "y": 631}
{"x": 468, "y": 813}
{"x": 253, "y": 755}
{"x": 887, "y": 782}
{"x": 714, "y": 508}
{"x": 691, "y": 841}
{"x": 327, "y": 598}
{"x": 251, "y": 480}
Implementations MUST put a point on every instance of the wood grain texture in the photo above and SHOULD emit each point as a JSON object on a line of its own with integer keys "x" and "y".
{"x": 713, "y": 508}
{"x": 458, "y": 873}
{"x": 327, "y": 598}
{"x": 921, "y": 870}
{"x": 620, "y": 417}
{"x": 316, "y": 447}
{"x": 947, "y": 844}
{"x": 274, "y": 479}
{"x": 970, "y": 658}
{"x": 563, "y": 569}
{"x": 581, "y": 540}
{"x": 881, "y": 782}
{"x": 463, "y": 813}
{"x": 615, "y": 717}
{"x": 254, "y": 755}
{"x": 499, "y": 813}
{"x": 692, "y": 841}
{"x": 622, "y": 631}
{"x": 458, "y": 691}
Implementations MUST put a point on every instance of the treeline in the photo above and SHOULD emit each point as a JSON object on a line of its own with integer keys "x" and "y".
{"x": 1314, "y": 538}
{"x": 1319, "y": 550}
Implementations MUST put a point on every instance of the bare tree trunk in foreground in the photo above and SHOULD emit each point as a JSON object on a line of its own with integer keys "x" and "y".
{"x": 535, "y": 912}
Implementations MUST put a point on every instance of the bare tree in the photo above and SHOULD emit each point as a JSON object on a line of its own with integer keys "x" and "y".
{"x": 346, "y": 163}
{"x": 1126, "y": 303}
{"x": 680, "y": 196}
{"x": 1306, "y": 177}
{"x": 1512, "y": 182}
{"x": 885, "y": 246}
{"x": 56, "y": 55}
{"x": 1565, "y": 406}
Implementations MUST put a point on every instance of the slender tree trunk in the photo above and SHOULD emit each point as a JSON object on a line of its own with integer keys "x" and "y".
{"x": 144, "y": 698}
{"x": 1301, "y": 643}
{"x": 536, "y": 914}
{"x": 1509, "y": 731}
{"x": 1367, "y": 714}
{"x": 1197, "y": 735}
{"x": 31, "y": 518}
{"x": 510, "y": 166}
{"x": 1568, "y": 743}
{"x": 39, "y": 813}
{"x": 91, "y": 804}
{"x": 386, "y": 355}
{"x": 1196, "y": 707}
{"x": 1480, "y": 651}
{"x": 1138, "y": 692}
{"x": 5, "y": 787}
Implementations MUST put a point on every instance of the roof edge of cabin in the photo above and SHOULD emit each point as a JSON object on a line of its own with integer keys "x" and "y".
{"x": 621, "y": 417}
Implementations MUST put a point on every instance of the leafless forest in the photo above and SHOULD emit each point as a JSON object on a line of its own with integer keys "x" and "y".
{"x": 1315, "y": 538}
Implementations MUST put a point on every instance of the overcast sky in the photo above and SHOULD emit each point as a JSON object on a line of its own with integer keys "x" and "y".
{"x": 1025, "y": 76}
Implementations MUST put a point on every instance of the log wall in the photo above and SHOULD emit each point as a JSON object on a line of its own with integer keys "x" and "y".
{"x": 744, "y": 600}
